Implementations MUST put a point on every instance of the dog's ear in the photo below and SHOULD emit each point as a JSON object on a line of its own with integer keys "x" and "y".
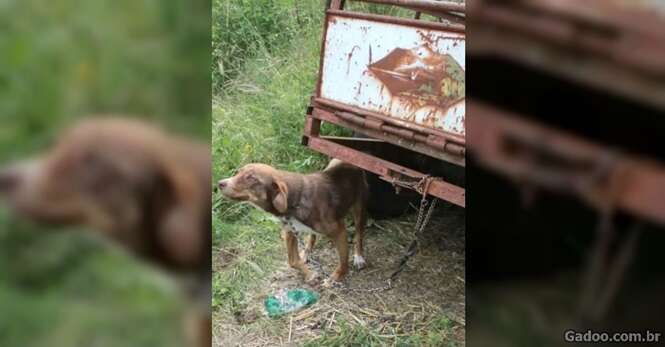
{"x": 179, "y": 214}
{"x": 281, "y": 196}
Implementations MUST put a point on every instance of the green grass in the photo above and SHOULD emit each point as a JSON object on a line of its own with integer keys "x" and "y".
{"x": 244, "y": 29}
{"x": 437, "y": 334}
{"x": 68, "y": 288}
{"x": 259, "y": 118}
{"x": 60, "y": 61}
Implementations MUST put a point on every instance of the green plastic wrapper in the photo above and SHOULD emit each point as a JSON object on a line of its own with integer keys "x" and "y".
{"x": 287, "y": 301}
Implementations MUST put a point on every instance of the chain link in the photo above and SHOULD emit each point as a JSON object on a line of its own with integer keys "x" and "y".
{"x": 421, "y": 222}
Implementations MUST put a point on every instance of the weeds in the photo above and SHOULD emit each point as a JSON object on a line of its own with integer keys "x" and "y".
{"x": 245, "y": 29}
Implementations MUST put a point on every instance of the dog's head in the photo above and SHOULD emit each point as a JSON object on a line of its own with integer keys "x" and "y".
{"x": 260, "y": 185}
{"x": 122, "y": 177}
{"x": 57, "y": 187}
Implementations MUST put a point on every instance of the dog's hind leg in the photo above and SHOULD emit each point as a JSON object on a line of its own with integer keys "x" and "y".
{"x": 341, "y": 244}
{"x": 360, "y": 220}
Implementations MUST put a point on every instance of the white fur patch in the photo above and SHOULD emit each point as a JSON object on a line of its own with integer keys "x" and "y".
{"x": 334, "y": 162}
{"x": 358, "y": 261}
{"x": 296, "y": 226}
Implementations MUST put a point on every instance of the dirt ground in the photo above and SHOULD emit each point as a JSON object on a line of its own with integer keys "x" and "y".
{"x": 431, "y": 287}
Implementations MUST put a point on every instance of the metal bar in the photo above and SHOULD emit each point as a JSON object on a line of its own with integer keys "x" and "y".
{"x": 438, "y": 143}
{"x": 453, "y": 18}
{"x": 642, "y": 181}
{"x": 644, "y": 55}
{"x": 553, "y": 29}
{"x": 384, "y": 169}
{"x": 450, "y": 16}
{"x": 337, "y": 4}
{"x": 422, "y": 4}
{"x": 330, "y": 117}
{"x": 398, "y": 122}
{"x": 603, "y": 12}
{"x": 319, "y": 79}
{"x": 312, "y": 126}
{"x": 400, "y": 21}
{"x": 603, "y": 73}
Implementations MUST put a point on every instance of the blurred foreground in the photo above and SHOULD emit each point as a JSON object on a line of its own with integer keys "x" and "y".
{"x": 568, "y": 170}
{"x": 67, "y": 286}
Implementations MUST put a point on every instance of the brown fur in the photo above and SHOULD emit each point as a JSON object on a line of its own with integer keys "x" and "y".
{"x": 320, "y": 201}
{"x": 146, "y": 189}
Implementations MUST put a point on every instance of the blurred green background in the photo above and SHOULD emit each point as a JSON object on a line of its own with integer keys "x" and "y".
{"x": 65, "y": 59}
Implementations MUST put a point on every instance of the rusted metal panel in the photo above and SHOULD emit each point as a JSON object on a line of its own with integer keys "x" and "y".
{"x": 416, "y": 23}
{"x": 442, "y": 150}
{"x": 398, "y": 80}
{"x": 409, "y": 73}
{"x": 539, "y": 156}
{"x": 390, "y": 120}
{"x": 619, "y": 41}
{"x": 388, "y": 171}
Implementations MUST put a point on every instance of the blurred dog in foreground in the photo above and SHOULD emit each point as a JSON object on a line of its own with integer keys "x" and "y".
{"x": 315, "y": 204}
{"x": 145, "y": 189}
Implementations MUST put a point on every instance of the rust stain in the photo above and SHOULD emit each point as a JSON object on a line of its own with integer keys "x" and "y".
{"x": 418, "y": 78}
{"x": 348, "y": 58}
{"x": 430, "y": 118}
{"x": 411, "y": 117}
{"x": 431, "y": 38}
{"x": 421, "y": 77}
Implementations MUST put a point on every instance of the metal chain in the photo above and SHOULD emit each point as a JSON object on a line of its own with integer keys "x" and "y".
{"x": 417, "y": 186}
{"x": 411, "y": 250}
{"x": 419, "y": 227}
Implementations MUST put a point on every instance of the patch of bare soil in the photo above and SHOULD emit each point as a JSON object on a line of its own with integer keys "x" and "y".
{"x": 223, "y": 258}
{"x": 432, "y": 285}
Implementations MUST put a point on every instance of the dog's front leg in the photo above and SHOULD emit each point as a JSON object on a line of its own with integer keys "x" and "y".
{"x": 342, "y": 246}
{"x": 294, "y": 257}
{"x": 309, "y": 246}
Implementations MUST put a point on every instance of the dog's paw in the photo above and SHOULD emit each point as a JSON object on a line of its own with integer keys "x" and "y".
{"x": 359, "y": 262}
{"x": 312, "y": 278}
{"x": 331, "y": 283}
{"x": 304, "y": 255}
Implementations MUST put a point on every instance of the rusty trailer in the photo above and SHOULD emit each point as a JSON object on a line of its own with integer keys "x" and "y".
{"x": 616, "y": 47}
{"x": 399, "y": 81}
{"x": 578, "y": 112}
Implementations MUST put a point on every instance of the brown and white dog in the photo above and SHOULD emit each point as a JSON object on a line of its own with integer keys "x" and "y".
{"x": 315, "y": 204}
{"x": 144, "y": 188}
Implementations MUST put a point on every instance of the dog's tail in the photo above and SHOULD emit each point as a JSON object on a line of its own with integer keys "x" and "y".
{"x": 334, "y": 162}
